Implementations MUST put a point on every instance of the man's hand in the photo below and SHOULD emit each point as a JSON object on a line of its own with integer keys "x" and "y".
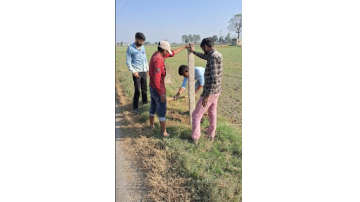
{"x": 176, "y": 96}
{"x": 163, "y": 98}
{"x": 198, "y": 89}
{"x": 191, "y": 48}
{"x": 136, "y": 75}
{"x": 187, "y": 45}
{"x": 205, "y": 100}
{"x": 148, "y": 74}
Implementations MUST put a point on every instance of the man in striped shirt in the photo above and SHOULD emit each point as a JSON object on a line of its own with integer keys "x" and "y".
{"x": 212, "y": 89}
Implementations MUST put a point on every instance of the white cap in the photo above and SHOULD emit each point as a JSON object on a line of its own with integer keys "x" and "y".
{"x": 166, "y": 46}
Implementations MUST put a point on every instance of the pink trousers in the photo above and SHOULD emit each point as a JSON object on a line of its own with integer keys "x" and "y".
{"x": 200, "y": 111}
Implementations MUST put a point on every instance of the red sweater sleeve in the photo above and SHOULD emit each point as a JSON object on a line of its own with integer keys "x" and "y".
{"x": 168, "y": 55}
{"x": 157, "y": 76}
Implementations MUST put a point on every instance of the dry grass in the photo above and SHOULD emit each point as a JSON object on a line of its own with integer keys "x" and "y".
{"x": 164, "y": 184}
{"x": 162, "y": 175}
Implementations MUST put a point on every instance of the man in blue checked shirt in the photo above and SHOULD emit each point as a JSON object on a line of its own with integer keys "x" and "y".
{"x": 136, "y": 61}
{"x": 199, "y": 78}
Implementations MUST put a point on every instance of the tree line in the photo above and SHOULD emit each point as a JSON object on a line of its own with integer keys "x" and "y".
{"x": 194, "y": 38}
{"x": 235, "y": 25}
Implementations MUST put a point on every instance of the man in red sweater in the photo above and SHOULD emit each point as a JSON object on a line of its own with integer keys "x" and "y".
{"x": 157, "y": 73}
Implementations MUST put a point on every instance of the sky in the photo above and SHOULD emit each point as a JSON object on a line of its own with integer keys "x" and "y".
{"x": 160, "y": 20}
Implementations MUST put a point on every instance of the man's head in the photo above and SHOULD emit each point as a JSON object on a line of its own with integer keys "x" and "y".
{"x": 184, "y": 71}
{"x": 207, "y": 45}
{"x": 139, "y": 39}
{"x": 164, "y": 48}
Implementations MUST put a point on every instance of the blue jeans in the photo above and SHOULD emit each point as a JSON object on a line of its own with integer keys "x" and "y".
{"x": 156, "y": 105}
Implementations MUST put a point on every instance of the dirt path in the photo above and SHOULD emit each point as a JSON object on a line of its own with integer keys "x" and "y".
{"x": 122, "y": 191}
{"x": 130, "y": 185}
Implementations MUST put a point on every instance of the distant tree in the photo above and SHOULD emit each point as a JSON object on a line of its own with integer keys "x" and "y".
{"x": 190, "y": 37}
{"x": 235, "y": 24}
{"x": 221, "y": 39}
{"x": 147, "y": 43}
{"x": 156, "y": 42}
{"x": 215, "y": 38}
{"x": 184, "y": 37}
{"x": 196, "y": 38}
{"x": 227, "y": 38}
{"x": 165, "y": 40}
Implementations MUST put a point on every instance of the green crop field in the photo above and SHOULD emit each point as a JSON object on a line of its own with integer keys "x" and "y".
{"x": 210, "y": 171}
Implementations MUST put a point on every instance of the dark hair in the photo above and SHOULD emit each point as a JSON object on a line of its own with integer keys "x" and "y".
{"x": 160, "y": 49}
{"x": 183, "y": 69}
{"x": 207, "y": 42}
{"x": 140, "y": 35}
